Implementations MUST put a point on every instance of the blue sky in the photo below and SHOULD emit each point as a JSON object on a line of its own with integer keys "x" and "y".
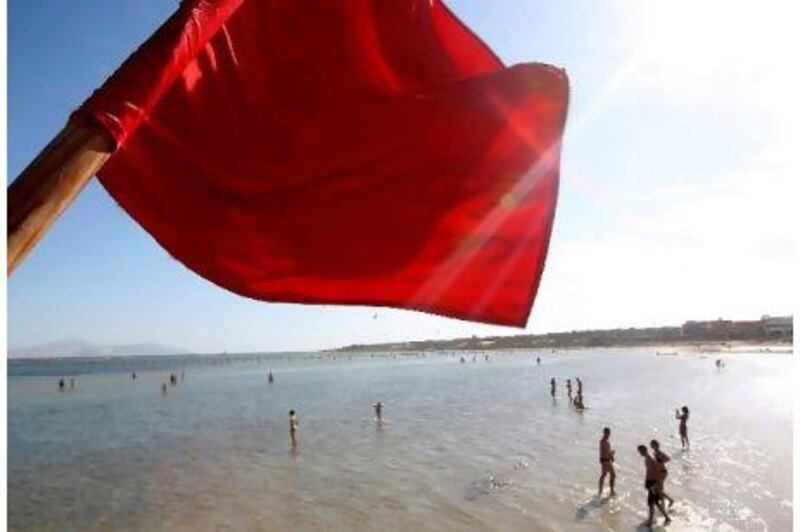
{"x": 675, "y": 200}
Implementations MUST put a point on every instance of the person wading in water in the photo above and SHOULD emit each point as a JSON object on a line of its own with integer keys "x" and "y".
{"x": 683, "y": 430}
{"x": 651, "y": 485}
{"x": 606, "y": 463}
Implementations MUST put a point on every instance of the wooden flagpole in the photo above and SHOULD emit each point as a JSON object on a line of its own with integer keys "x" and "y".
{"x": 49, "y": 184}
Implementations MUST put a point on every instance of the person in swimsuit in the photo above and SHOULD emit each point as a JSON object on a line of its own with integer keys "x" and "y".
{"x": 651, "y": 485}
{"x": 553, "y": 387}
{"x": 606, "y": 463}
{"x": 294, "y": 424}
{"x": 661, "y": 459}
{"x": 683, "y": 417}
{"x": 569, "y": 389}
{"x": 378, "y": 411}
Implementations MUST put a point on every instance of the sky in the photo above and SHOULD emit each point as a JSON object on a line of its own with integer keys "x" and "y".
{"x": 677, "y": 199}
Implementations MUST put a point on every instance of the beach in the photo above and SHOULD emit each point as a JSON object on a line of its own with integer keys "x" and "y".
{"x": 465, "y": 446}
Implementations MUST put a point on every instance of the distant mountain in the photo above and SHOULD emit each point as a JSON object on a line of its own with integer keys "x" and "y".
{"x": 82, "y": 348}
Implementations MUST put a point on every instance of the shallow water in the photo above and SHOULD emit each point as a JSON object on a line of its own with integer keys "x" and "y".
{"x": 474, "y": 446}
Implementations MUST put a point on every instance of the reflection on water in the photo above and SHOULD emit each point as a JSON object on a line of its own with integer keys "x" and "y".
{"x": 463, "y": 446}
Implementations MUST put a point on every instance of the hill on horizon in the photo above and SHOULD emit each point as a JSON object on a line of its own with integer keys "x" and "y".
{"x": 82, "y": 348}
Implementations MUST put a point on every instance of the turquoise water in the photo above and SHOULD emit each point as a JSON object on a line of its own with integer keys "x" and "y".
{"x": 474, "y": 446}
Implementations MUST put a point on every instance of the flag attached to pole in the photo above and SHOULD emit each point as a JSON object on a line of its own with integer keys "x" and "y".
{"x": 349, "y": 152}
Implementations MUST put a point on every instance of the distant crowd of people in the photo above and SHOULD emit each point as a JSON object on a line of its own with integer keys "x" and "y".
{"x": 576, "y": 400}
{"x": 655, "y": 463}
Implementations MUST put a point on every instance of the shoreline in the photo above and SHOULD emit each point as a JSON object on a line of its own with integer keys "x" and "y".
{"x": 676, "y": 347}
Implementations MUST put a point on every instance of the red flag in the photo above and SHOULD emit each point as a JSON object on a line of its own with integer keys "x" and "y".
{"x": 351, "y": 152}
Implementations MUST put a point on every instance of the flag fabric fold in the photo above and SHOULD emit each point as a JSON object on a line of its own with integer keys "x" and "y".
{"x": 366, "y": 152}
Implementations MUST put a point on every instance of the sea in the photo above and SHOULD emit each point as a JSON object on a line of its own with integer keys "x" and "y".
{"x": 473, "y": 445}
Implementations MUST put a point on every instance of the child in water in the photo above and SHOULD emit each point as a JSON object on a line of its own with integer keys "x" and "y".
{"x": 294, "y": 424}
{"x": 578, "y": 403}
{"x": 683, "y": 417}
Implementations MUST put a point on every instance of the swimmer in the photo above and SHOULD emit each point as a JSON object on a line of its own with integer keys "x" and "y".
{"x": 538, "y": 361}
{"x": 606, "y": 463}
{"x": 651, "y": 485}
{"x": 133, "y": 376}
{"x": 60, "y": 385}
{"x": 378, "y": 411}
{"x": 683, "y": 417}
{"x": 270, "y": 377}
{"x": 294, "y": 424}
{"x": 661, "y": 461}
{"x": 553, "y": 387}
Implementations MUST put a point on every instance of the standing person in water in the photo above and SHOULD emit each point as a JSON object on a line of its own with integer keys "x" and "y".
{"x": 606, "y": 463}
{"x": 651, "y": 485}
{"x": 72, "y": 384}
{"x": 270, "y": 377}
{"x": 569, "y": 389}
{"x": 538, "y": 361}
{"x": 683, "y": 417}
{"x": 580, "y": 386}
{"x": 553, "y": 387}
{"x": 61, "y": 385}
{"x": 578, "y": 403}
{"x": 661, "y": 459}
{"x": 378, "y": 411}
{"x": 294, "y": 424}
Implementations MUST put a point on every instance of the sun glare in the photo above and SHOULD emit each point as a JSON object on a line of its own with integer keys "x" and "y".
{"x": 697, "y": 47}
